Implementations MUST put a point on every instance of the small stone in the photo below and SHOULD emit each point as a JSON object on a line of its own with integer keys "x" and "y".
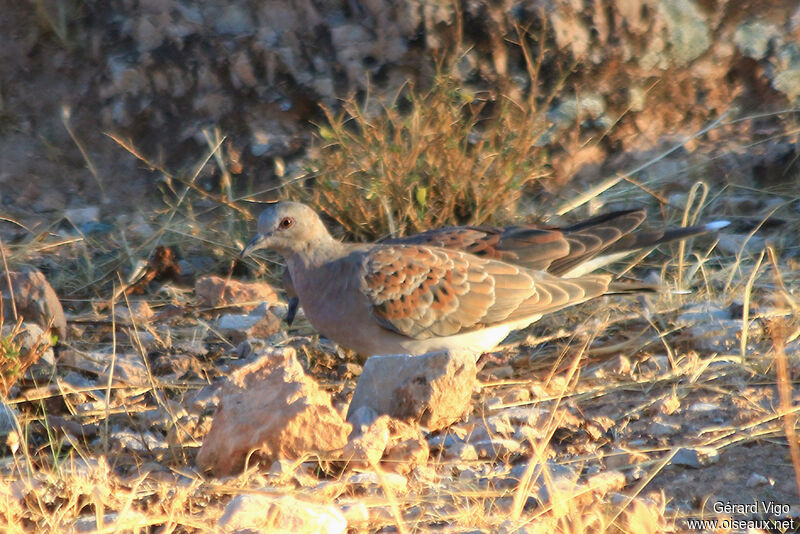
{"x": 755, "y": 480}
{"x": 29, "y": 353}
{"x": 126, "y": 439}
{"x": 406, "y": 455}
{"x": 373, "y": 484}
{"x": 619, "y": 365}
{"x": 496, "y": 448}
{"x": 265, "y": 513}
{"x": 215, "y": 292}
{"x": 619, "y": 458}
{"x": 239, "y": 328}
{"x": 669, "y": 405}
{"x": 139, "y": 312}
{"x": 362, "y": 417}
{"x": 8, "y": 418}
{"x": 464, "y": 452}
{"x": 355, "y": 513}
{"x": 658, "y": 429}
{"x": 34, "y": 299}
{"x": 703, "y": 407}
{"x": 365, "y": 449}
{"x": 695, "y": 457}
{"x": 82, "y": 216}
{"x": 501, "y": 373}
{"x": 433, "y": 389}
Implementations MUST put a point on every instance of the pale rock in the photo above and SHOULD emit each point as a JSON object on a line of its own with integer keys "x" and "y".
{"x": 138, "y": 313}
{"x": 496, "y": 447}
{"x": 126, "y": 439}
{"x": 668, "y": 405}
{"x": 356, "y": 512}
{"x": 659, "y": 429}
{"x": 433, "y": 389}
{"x": 372, "y": 484}
{"x": 464, "y": 452}
{"x": 34, "y": 356}
{"x": 34, "y": 298}
{"x": 215, "y": 291}
{"x": 266, "y": 513}
{"x": 8, "y": 417}
{"x": 366, "y": 449}
{"x": 272, "y": 407}
{"x": 407, "y": 448}
{"x": 258, "y": 324}
{"x": 406, "y": 455}
{"x": 82, "y": 216}
{"x": 285, "y": 471}
{"x": 756, "y": 480}
{"x": 619, "y": 458}
{"x": 696, "y": 457}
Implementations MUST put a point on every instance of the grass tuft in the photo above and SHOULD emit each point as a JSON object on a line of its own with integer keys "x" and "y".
{"x": 429, "y": 159}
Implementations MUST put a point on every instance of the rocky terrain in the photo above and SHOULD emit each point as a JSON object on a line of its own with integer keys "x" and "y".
{"x": 154, "y": 383}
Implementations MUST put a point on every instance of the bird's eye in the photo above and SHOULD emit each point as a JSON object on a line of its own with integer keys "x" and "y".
{"x": 286, "y": 222}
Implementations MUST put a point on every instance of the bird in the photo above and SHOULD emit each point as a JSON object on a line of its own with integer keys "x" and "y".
{"x": 461, "y": 289}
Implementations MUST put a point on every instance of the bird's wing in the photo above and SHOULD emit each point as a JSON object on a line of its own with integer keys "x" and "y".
{"x": 423, "y": 292}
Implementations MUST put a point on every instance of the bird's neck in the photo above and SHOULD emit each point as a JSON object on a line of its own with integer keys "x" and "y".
{"x": 317, "y": 252}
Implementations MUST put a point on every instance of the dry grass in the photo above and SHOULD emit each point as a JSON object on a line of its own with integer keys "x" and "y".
{"x": 431, "y": 158}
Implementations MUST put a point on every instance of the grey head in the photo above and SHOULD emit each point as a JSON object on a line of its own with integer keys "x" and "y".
{"x": 288, "y": 228}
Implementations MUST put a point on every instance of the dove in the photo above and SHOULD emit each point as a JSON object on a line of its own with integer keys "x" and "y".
{"x": 457, "y": 289}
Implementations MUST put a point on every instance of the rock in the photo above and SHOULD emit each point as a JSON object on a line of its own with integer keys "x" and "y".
{"x": 668, "y": 405}
{"x": 704, "y": 407}
{"x": 139, "y": 313}
{"x": 755, "y": 480}
{"x": 680, "y": 34}
{"x": 265, "y": 513}
{"x": 259, "y": 324}
{"x": 696, "y": 457}
{"x": 215, "y": 292}
{"x": 401, "y": 446}
{"x": 496, "y": 447}
{"x": 657, "y": 429}
{"x": 83, "y": 216}
{"x": 355, "y": 513}
{"x": 126, "y": 439}
{"x": 24, "y": 348}
{"x": 178, "y": 365}
{"x": 433, "y": 389}
{"x": 407, "y": 448}
{"x": 464, "y": 452}
{"x": 753, "y": 38}
{"x": 272, "y": 407}
{"x": 371, "y": 483}
{"x": 404, "y": 456}
{"x": 285, "y": 471}
{"x": 35, "y": 300}
{"x": 8, "y": 418}
{"x": 366, "y": 448}
{"x": 362, "y": 417}
{"x": 564, "y": 478}
{"x": 484, "y": 428}
{"x": 619, "y": 458}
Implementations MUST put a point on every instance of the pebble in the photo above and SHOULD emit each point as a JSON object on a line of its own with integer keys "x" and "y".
{"x": 658, "y": 429}
{"x": 755, "y": 480}
{"x": 496, "y": 447}
{"x": 695, "y": 457}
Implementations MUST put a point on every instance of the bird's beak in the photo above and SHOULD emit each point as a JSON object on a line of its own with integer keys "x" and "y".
{"x": 258, "y": 242}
